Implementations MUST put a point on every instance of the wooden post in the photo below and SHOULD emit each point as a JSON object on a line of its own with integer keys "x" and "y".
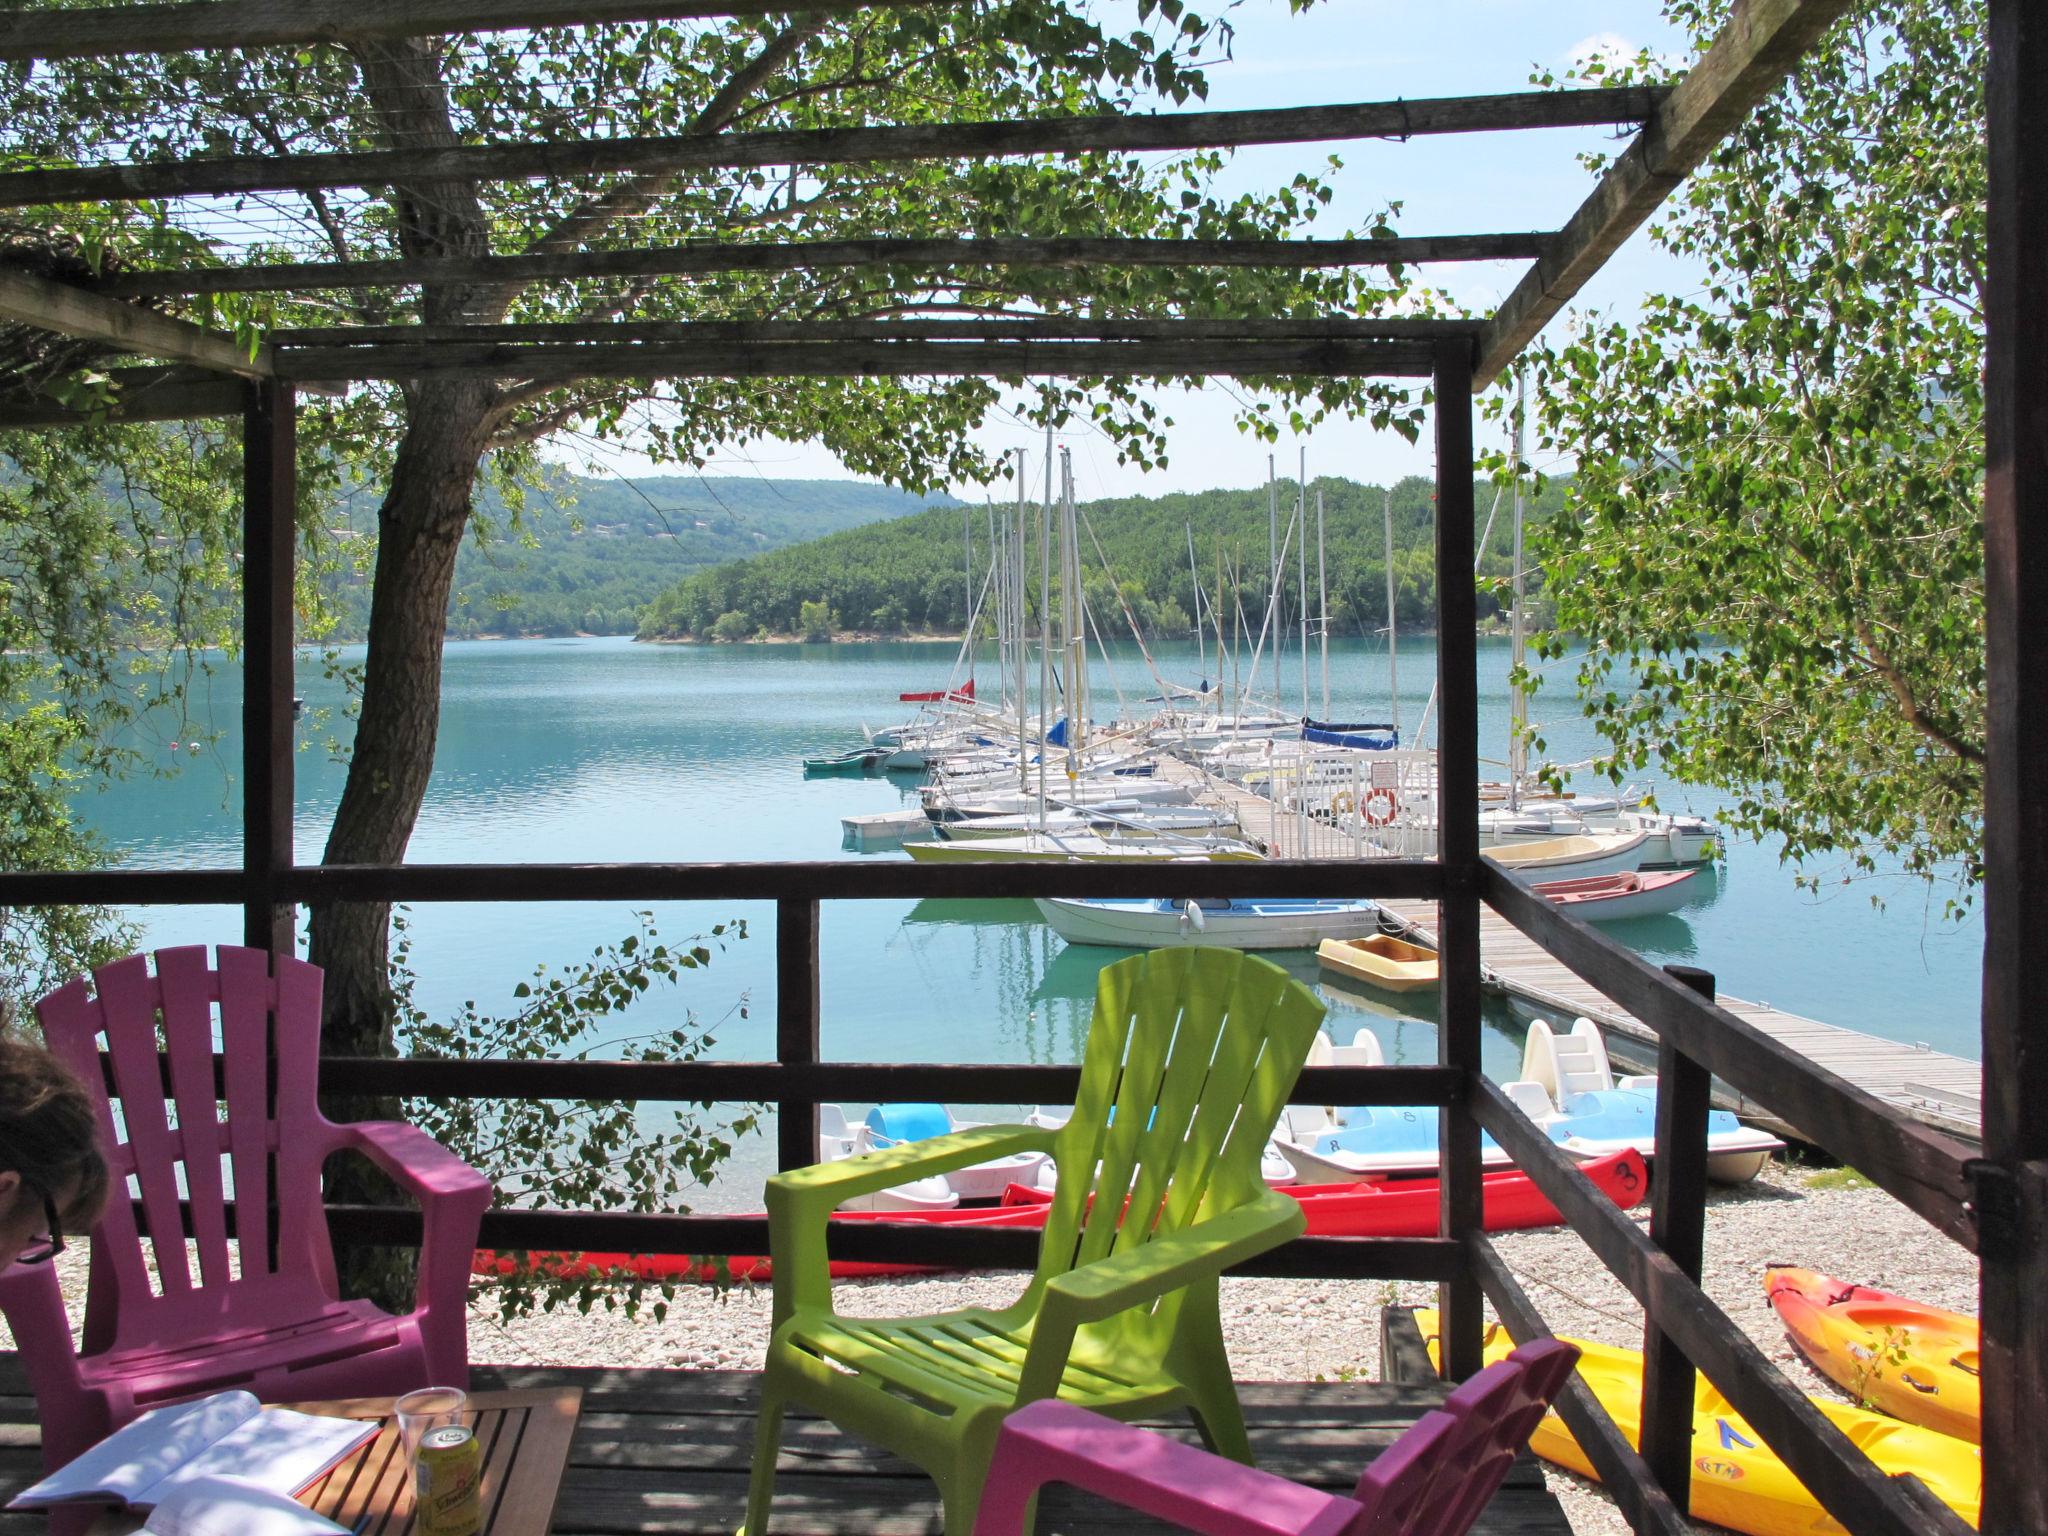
{"x": 269, "y": 538}
{"x": 1458, "y": 1032}
{"x": 2012, "y": 1179}
{"x": 1678, "y": 1225}
{"x": 796, "y": 1026}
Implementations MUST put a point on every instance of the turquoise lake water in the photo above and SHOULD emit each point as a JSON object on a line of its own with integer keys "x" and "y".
{"x": 603, "y": 750}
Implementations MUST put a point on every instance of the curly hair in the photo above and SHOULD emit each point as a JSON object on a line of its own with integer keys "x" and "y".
{"x": 49, "y": 1131}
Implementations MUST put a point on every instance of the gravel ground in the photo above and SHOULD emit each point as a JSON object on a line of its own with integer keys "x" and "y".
{"x": 1310, "y": 1330}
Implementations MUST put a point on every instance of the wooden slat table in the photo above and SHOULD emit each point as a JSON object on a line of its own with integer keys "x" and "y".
{"x": 525, "y": 1438}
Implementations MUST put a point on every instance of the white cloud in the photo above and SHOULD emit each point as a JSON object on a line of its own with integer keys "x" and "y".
{"x": 1611, "y": 48}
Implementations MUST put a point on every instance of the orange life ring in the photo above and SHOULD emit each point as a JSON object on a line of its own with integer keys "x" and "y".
{"x": 1380, "y": 806}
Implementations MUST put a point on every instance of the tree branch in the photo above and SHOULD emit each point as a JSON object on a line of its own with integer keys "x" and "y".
{"x": 1909, "y": 705}
{"x": 591, "y": 217}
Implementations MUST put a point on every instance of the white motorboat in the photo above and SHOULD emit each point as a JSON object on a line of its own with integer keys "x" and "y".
{"x": 1090, "y": 847}
{"x": 1235, "y": 923}
{"x": 942, "y": 804}
{"x": 1128, "y": 817}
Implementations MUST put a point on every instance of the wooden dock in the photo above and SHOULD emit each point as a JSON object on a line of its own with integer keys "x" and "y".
{"x": 1935, "y": 1088}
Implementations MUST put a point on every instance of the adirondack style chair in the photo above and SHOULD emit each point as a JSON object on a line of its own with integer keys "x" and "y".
{"x": 1433, "y": 1481}
{"x": 269, "y": 1322}
{"x": 1189, "y": 1058}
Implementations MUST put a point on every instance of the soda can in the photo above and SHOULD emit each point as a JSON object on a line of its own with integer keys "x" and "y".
{"x": 447, "y": 1483}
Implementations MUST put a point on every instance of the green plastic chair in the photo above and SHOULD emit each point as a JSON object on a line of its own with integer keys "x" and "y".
{"x": 1190, "y": 1056}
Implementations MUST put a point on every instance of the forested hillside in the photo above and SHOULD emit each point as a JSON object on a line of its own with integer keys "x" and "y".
{"x": 906, "y": 575}
{"x": 588, "y": 555}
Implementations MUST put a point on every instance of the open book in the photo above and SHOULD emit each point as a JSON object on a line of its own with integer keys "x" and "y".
{"x": 224, "y": 1464}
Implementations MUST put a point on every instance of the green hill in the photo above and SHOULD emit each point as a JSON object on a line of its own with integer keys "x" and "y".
{"x": 905, "y": 575}
{"x": 590, "y": 554}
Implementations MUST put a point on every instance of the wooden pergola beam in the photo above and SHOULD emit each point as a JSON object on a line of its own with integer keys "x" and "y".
{"x": 1018, "y": 328}
{"x": 1759, "y": 47}
{"x": 673, "y": 154}
{"x": 1220, "y": 357}
{"x": 27, "y": 299}
{"x": 794, "y": 256}
{"x": 144, "y": 394}
{"x": 109, "y": 30}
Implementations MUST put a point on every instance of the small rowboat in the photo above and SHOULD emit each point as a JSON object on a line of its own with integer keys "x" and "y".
{"x": 846, "y": 765}
{"x": 1268, "y": 922}
{"x": 1914, "y": 1361}
{"x": 1392, "y": 964}
{"x": 1405, "y": 1208}
{"x": 1609, "y": 898}
{"x": 1573, "y": 858}
{"x": 1737, "y": 1480}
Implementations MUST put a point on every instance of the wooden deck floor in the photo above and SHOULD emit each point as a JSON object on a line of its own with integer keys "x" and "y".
{"x": 1935, "y": 1088}
{"x": 668, "y": 1451}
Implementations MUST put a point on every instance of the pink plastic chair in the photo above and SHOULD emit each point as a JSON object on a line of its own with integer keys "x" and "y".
{"x": 275, "y": 1328}
{"x": 1433, "y": 1481}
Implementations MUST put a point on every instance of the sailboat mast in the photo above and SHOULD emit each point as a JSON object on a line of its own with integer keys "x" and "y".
{"x": 1076, "y": 615}
{"x": 1044, "y": 625}
{"x": 1195, "y": 581}
{"x": 1323, "y": 603}
{"x": 1273, "y": 564}
{"x": 1518, "y": 748}
{"x": 1018, "y": 651}
{"x": 1393, "y": 671}
{"x": 1301, "y": 568}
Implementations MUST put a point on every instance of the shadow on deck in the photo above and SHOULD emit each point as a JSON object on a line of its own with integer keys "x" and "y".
{"x": 668, "y": 1451}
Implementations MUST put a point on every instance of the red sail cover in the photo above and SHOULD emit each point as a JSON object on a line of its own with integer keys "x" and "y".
{"x": 965, "y": 691}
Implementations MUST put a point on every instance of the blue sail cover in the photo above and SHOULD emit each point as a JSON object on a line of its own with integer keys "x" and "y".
{"x": 1364, "y": 735}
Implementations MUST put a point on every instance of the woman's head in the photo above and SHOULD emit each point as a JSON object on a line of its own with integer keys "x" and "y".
{"x": 53, "y": 1173}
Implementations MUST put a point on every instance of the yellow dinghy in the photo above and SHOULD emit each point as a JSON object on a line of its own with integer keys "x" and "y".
{"x": 1391, "y": 964}
{"x": 1737, "y": 1480}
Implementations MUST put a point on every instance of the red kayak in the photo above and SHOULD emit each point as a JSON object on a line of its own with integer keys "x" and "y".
{"x": 1398, "y": 1208}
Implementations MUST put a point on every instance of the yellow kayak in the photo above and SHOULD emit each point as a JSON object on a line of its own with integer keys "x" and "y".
{"x": 1916, "y": 1362}
{"x": 1737, "y": 1480}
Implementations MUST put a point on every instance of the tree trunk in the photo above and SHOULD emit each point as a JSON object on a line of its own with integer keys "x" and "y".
{"x": 420, "y": 529}
{"x": 419, "y": 532}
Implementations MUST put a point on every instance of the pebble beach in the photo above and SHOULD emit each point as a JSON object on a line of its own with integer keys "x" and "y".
{"x": 1307, "y": 1330}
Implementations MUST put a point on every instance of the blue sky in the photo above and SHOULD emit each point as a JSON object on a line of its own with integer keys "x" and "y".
{"x": 1367, "y": 50}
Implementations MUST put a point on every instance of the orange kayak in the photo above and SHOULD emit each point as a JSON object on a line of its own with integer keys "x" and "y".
{"x": 1910, "y": 1360}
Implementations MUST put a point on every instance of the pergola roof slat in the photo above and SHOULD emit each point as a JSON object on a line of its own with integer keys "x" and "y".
{"x": 1221, "y": 357}
{"x": 108, "y": 30}
{"x": 792, "y": 256}
{"x": 1761, "y": 45}
{"x": 835, "y": 146}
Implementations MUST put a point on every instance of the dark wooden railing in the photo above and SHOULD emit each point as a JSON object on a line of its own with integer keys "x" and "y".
{"x": 1684, "y": 1330}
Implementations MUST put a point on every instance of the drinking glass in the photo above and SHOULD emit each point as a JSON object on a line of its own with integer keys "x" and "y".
{"x": 428, "y": 1408}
